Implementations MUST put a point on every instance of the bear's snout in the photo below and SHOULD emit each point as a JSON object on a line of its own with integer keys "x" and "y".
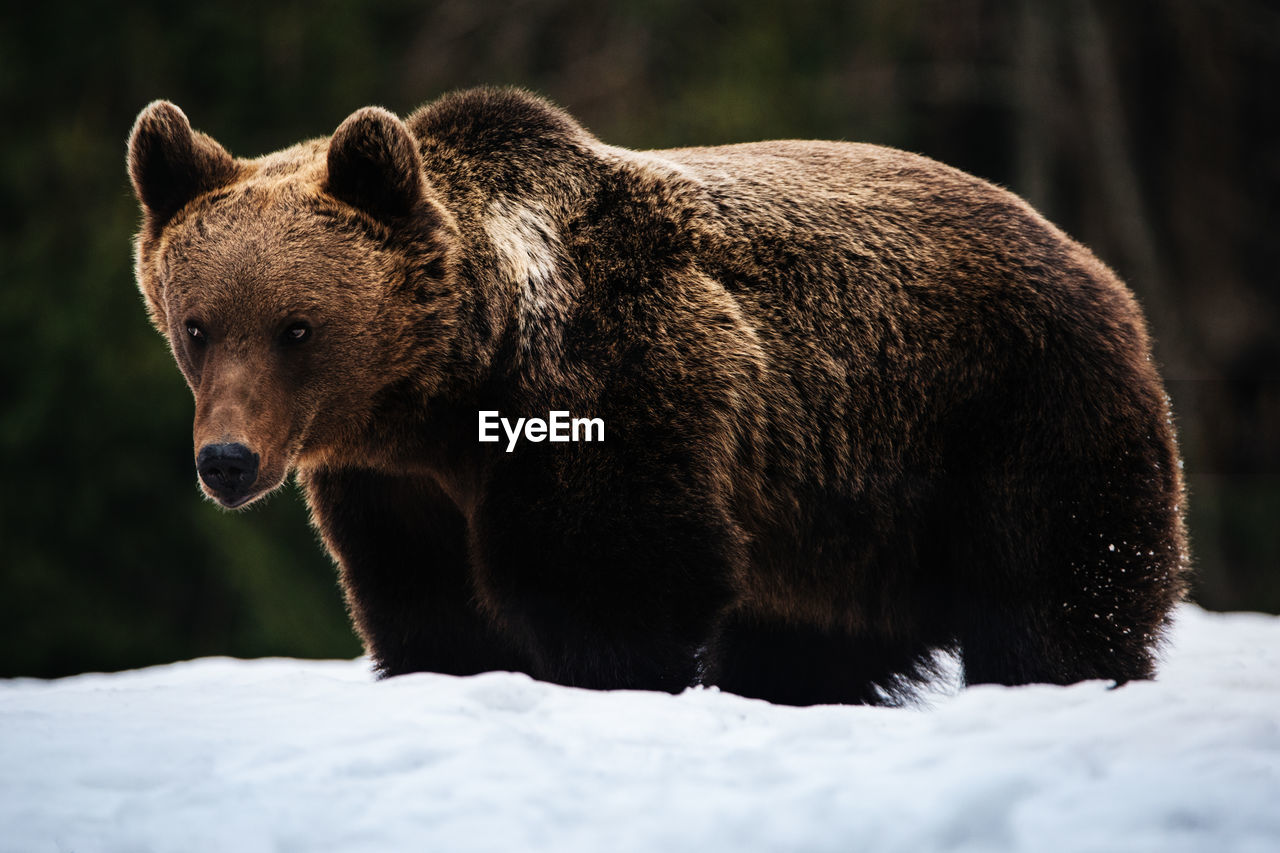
{"x": 229, "y": 470}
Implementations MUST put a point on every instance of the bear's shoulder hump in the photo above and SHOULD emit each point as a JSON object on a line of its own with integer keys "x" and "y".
{"x": 496, "y": 118}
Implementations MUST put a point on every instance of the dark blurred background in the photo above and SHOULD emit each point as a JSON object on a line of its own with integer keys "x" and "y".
{"x": 1146, "y": 129}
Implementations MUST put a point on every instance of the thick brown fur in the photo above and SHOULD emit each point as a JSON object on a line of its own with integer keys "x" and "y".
{"x": 859, "y": 406}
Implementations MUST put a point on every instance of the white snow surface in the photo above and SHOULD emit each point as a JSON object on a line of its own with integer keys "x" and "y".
{"x": 289, "y": 755}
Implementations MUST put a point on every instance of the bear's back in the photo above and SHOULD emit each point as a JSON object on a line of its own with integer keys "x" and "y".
{"x": 873, "y": 278}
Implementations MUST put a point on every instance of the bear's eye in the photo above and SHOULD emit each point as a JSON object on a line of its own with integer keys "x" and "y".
{"x": 296, "y": 333}
{"x": 195, "y": 332}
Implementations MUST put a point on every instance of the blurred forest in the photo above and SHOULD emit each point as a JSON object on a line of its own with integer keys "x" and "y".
{"x": 1146, "y": 129}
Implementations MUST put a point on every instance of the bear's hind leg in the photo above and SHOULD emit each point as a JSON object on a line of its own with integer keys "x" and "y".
{"x": 1069, "y": 551}
{"x": 1024, "y": 643}
{"x": 1066, "y": 591}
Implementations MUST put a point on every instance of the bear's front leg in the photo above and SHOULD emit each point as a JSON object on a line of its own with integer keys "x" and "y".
{"x": 401, "y": 548}
{"x": 613, "y": 586}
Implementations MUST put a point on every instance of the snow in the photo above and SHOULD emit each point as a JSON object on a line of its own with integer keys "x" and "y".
{"x": 283, "y": 755}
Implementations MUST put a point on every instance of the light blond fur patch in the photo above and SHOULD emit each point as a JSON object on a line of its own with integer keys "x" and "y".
{"x": 530, "y": 258}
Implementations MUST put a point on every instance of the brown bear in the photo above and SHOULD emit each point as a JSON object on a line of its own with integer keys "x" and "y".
{"x": 844, "y": 406}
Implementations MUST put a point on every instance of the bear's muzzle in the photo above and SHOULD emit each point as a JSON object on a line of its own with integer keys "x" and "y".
{"x": 229, "y": 471}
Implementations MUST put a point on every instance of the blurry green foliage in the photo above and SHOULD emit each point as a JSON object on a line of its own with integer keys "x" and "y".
{"x": 1146, "y": 129}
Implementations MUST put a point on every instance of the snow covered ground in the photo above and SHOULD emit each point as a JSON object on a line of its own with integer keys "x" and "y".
{"x": 285, "y": 755}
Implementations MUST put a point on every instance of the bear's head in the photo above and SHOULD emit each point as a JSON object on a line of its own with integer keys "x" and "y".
{"x": 300, "y": 292}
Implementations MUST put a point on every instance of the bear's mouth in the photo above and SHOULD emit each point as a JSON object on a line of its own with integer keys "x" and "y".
{"x": 239, "y": 501}
{"x": 234, "y": 503}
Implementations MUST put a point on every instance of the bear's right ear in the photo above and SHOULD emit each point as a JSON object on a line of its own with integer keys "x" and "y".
{"x": 374, "y": 164}
{"x": 170, "y": 164}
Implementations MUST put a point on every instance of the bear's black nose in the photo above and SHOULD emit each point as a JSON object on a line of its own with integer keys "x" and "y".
{"x": 228, "y": 470}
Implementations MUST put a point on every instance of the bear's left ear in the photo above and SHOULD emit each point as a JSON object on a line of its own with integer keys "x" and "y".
{"x": 374, "y": 164}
